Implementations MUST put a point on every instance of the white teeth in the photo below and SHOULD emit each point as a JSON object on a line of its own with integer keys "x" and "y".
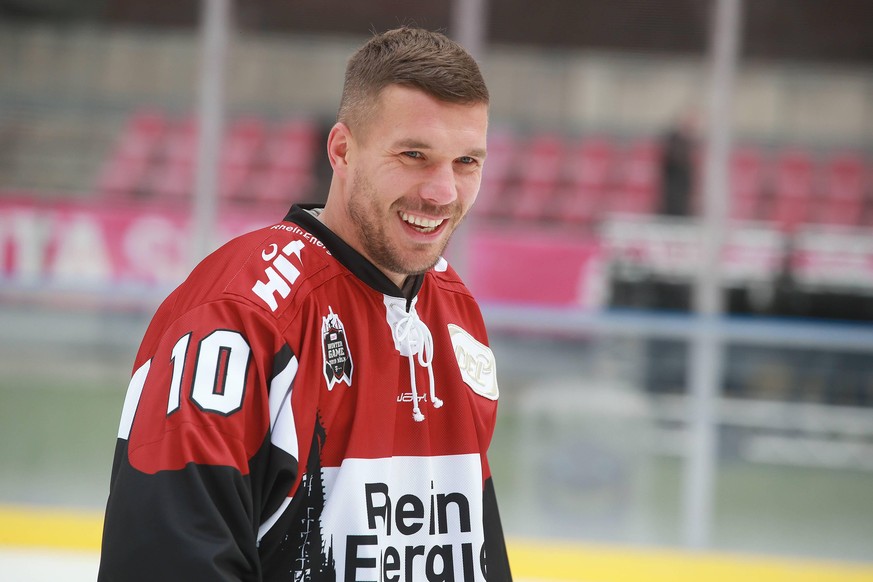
{"x": 425, "y": 223}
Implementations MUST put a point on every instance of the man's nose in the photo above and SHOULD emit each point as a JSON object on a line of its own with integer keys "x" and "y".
{"x": 440, "y": 185}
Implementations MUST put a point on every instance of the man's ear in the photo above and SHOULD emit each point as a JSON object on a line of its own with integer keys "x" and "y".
{"x": 338, "y": 145}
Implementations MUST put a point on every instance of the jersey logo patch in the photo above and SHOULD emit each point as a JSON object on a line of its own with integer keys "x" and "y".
{"x": 335, "y": 348}
{"x": 281, "y": 273}
{"x": 476, "y": 362}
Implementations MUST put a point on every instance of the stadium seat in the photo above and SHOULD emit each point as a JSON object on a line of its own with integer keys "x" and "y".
{"x": 243, "y": 141}
{"x": 539, "y": 167}
{"x": 122, "y": 177}
{"x": 747, "y": 171}
{"x": 541, "y": 160}
{"x": 280, "y": 185}
{"x": 591, "y": 164}
{"x": 638, "y": 179}
{"x": 136, "y": 148}
{"x": 497, "y": 173}
{"x": 845, "y": 182}
{"x": 241, "y": 148}
{"x": 285, "y": 169}
{"x": 142, "y": 133}
{"x": 171, "y": 180}
{"x": 233, "y": 180}
{"x": 291, "y": 145}
{"x": 793, "y": 188}
{"x": 578, "y": 206}
{"x": 180, "y": 142}
{"x": 532, "y": 200}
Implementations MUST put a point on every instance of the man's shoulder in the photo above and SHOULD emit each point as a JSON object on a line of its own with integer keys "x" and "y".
{"x": 445, "y": 276}
{"x": 277, "y": 263}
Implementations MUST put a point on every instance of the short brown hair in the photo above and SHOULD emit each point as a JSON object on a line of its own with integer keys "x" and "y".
{"x": 412, "y": 57}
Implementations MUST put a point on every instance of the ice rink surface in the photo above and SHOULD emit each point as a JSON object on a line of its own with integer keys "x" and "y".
{"x": 41, "y": 565}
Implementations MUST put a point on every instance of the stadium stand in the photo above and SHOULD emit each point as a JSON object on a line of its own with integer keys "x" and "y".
{"x": 154, "y": 159}
{"x": 539, "y": 177}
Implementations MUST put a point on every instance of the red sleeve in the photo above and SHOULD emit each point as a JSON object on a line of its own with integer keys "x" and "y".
{"x": 205, "y": 397}
{"x": 206, "y": 448}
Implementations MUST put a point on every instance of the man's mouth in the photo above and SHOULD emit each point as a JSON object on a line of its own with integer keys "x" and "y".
{"x": 424, "y": 225}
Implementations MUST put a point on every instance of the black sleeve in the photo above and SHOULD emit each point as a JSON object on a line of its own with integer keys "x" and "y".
{"x": 192, "y": 524}
{"x": 191, "y": 488}
{"x": 495, "y": 545}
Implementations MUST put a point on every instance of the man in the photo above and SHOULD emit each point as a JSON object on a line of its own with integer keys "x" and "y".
{"x": 677, "y": 167}
{"x": 316, "y": 400}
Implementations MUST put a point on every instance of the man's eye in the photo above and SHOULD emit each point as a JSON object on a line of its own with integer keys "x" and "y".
{"x": 467, "y": 160}
{"x": 414, "y": 155}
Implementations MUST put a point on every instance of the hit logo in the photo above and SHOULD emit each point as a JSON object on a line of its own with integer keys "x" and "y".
{"x": 280, "y": 275}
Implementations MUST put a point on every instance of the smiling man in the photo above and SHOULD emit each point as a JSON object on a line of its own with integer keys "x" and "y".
{"x": 407, "y": 159}
{"x": 316, "y": 400}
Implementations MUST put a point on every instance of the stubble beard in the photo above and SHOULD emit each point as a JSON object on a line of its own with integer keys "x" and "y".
{"x": 372, "y": 233}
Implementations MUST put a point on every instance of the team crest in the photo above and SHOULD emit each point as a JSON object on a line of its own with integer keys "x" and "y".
{"x": 335, "y": 347}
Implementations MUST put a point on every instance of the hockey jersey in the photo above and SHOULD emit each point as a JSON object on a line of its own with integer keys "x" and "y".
{"x": 294, "y": 416}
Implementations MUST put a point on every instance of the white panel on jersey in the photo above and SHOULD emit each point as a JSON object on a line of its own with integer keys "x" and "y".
{"x": 282, "y": 427}
{"x": 131, "y": 400}
{"x": 406, "y": 518}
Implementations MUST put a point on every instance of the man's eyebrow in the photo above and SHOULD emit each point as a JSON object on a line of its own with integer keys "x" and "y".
{"x": 414, "y": 144}
{"x": 477, "y": 153}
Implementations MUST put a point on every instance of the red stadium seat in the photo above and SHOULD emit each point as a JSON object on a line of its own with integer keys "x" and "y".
{"x": 497, "y": 173}
{"x": 280, "y": 185}
{"x": 123, "y": 177}
{"x": 292, "y": 145}
{"x": 142, "y": 134}
{"x": 240, "y": 152}
{"x": 538, "y": 168}
{"x": 747, "y": 174}
{"x": 232, "y": 181}
{"x": 844, "y": 188}
{"x": 136, "y": 148}
{"x": 578, "y": 206}
{"x": 589, "y": 175}
{"x": 180, "y": 142}
{"x": 172, "y": 180}
{"x": 591, "y": 164}
{"x": 793, "y": 188}
{"x": 243, "y": 141}
{"x": 542, "y": 160}
{"x": 532, "y": 200}
{"x": 638, "y": 179}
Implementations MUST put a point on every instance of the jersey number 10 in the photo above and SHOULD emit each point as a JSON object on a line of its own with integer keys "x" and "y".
{"x": 218, "y": 383}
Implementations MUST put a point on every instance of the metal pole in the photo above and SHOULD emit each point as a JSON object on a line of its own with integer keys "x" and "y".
{"x": 468, "y": 27}
{"x": 215, "y": 27}
{"x": 706, "y": 349}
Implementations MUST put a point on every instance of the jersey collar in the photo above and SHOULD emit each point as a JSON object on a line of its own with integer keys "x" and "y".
{"x": 354, "y": 261}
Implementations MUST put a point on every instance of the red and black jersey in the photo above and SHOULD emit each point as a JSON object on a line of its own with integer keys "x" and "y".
{"x": 294, "y": 416}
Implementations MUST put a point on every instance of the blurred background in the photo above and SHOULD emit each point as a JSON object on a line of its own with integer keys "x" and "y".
{"x": 672, "y": 248}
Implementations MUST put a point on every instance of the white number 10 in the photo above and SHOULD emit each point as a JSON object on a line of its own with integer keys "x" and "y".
{"x": 219, "y": 374}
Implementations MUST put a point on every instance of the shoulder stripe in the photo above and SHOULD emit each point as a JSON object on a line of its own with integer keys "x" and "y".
{"x": 131, "y": 400}
{"x": 282, "y": 426}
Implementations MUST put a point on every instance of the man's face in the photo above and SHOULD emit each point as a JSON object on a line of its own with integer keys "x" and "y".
{"x": 414, "y": 172}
